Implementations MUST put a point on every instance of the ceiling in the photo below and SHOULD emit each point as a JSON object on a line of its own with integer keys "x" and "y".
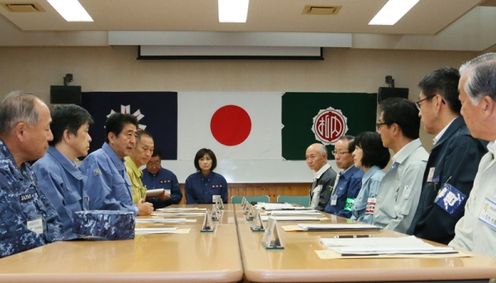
{"x": 428, "y": 18}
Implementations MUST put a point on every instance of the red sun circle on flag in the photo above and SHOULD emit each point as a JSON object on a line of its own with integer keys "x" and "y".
{"x": 329, "y": 125}
{"x": 230, "y": 125}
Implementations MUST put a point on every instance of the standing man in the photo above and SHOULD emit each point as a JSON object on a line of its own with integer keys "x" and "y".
{"x": 399, "y": 192}
{"x": 108, "y": 184}
{"x": 476, "y": 230}
{"x": 324, "y": 176}
{"x": 59, "y": 177}
{"x": 157, "y": 177}
{"x": 27, "y": 219}
{"x": 453, "y": 162}
{"x": 139, "y": 156}
{"x": 348, "y": 181}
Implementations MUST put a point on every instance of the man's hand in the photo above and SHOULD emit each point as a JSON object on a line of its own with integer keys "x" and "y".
{"x": 144, "y": 208}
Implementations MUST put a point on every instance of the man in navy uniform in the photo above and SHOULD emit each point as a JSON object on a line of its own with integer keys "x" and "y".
{"x": 156, "y": 177}
{"x": 453, "y": 162}
{"x": 27, "y": 220}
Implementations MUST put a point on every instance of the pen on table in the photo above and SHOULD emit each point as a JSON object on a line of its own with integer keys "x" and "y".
{"x": 351, "y": 236}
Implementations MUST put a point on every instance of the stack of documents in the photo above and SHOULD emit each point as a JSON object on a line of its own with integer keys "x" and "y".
{"x": 383, "y": 246}
{"x": 164, "y": 220}
{"x": 317, "y": 217}
{"x": 278, "y": 206}
{"x": 310, "y": 212}
{"x": 332, "y": 227}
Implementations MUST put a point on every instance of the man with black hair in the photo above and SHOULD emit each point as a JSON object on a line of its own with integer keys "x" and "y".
{"x": 156, "y": 177}
{"x": 108, "y": 184}
{"x": 399, "y": 192}
{"x": 453, "y": 162}
{"x": 59, "y": 177}
{"x": 348, "y": 181}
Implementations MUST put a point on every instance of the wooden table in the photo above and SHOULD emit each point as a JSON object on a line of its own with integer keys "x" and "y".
{"x": 298, "y": 262}
{"x": 196, "y": 256}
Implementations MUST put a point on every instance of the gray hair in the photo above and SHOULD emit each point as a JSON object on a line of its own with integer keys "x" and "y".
{"x": 17, "y": 107}
{"x": 481, "y": 80}
{"x": 322, "y": 148}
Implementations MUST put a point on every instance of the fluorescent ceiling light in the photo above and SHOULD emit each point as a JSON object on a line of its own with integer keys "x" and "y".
{"x": 392, "y": 12}
{"x": 233, "y": 11}
{"x": 71, "y": 10}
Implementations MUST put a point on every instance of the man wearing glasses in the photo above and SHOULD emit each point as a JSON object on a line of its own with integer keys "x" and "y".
{"x": 399, "y": 192}
{"x": 453, "y": 162}
{"x": 348, "y": 182}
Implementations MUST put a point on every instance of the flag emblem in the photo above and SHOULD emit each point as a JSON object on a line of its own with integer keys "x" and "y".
{"x": 329, "y": 125}
{"x": 126, "y": 109}
{"x": 230, "y": 125}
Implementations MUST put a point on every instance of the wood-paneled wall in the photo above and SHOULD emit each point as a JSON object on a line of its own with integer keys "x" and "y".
{"x": 272, "y": 190}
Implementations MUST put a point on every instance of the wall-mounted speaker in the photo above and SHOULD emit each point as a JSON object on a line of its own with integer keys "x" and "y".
{"x": 388, "y": 92}
{"x": 60, "y": 94}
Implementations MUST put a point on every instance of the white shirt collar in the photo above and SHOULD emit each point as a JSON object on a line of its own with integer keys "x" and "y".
{"x": 321, "y": 171}
{"x": 441, "y": 133}
{"x": 491, "y": 146}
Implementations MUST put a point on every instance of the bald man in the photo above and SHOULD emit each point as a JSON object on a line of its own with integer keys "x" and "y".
{"x": 324, "y": 176}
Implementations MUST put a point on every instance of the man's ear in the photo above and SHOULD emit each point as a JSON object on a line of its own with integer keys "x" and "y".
{"x": 488, "y": 106}
{"x": 111, "y": 137}
{"x": 20, "y": 131}
{"x": 66, "y": 135}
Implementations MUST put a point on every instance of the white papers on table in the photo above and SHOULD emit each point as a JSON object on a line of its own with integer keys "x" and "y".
{"x": 383, "y": 246}
{"x": 164, "y": 220}
{"x": 181, "y": 209}
{"x": 293, "y": 218}
{"x": 278, "y": 206}
{"x": 177, "y": 214}
{"x": 154, "y": 192}
{"x": 162, "y": 230}
{"x": 310, "y": 212}
{"x": 350, "y": 226}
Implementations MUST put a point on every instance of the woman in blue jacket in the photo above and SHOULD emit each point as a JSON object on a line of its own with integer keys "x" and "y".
{"x": 370, "y": 156}
{"x": 202, "y": 186}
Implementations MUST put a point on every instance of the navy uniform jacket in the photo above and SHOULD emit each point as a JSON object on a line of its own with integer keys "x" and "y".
{"x": 455, "y": 158}
{"x": 164, "y": 179}
{"x": 62, "y": 183}
{"x": 346, "y": 189}
{"x": 107, "y": 183}
{"x": 27, "y": 220}
{"x": 326, "y": 180}
{"x": 200, "y": 189}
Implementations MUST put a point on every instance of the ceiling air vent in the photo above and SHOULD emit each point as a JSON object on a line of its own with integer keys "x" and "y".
{"x": 321, "y": 10}
{"x": 23, "y": 7}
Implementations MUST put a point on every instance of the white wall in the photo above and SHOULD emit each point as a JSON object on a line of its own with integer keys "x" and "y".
{"x": 34, "y": 69}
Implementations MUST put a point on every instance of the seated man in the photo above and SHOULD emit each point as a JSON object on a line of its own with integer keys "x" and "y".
{"x": 27, "y": 219}
{"x": 324, "y": 176}
{"x": 139, "y": 156}
{"x": 108, "y": 184}
{"x": 348, "y": 181}
{"x": 453, "y": 161}
{"x": 399, "y": 192}
{"x": 156, "y": 177}
{"x": 59, "y": 178}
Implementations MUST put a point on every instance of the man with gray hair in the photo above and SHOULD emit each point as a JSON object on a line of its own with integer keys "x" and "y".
{"x": 27, "y": 219}
{"x": 324, "y": 176}
{"x": 476, "y": 230}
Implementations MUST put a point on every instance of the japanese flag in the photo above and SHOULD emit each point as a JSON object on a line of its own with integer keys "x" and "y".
{"x": 235, "y": 125}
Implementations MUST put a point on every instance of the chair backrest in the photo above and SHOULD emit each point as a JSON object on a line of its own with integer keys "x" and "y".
{"x": 301, "y": 200}
{"x": 250, "y": 199}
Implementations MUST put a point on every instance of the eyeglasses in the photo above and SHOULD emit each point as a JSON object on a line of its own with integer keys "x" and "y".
{"x": 339, "y": 152}
{"x": 378, "y": 125}
{"x": 418, "y": 103}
